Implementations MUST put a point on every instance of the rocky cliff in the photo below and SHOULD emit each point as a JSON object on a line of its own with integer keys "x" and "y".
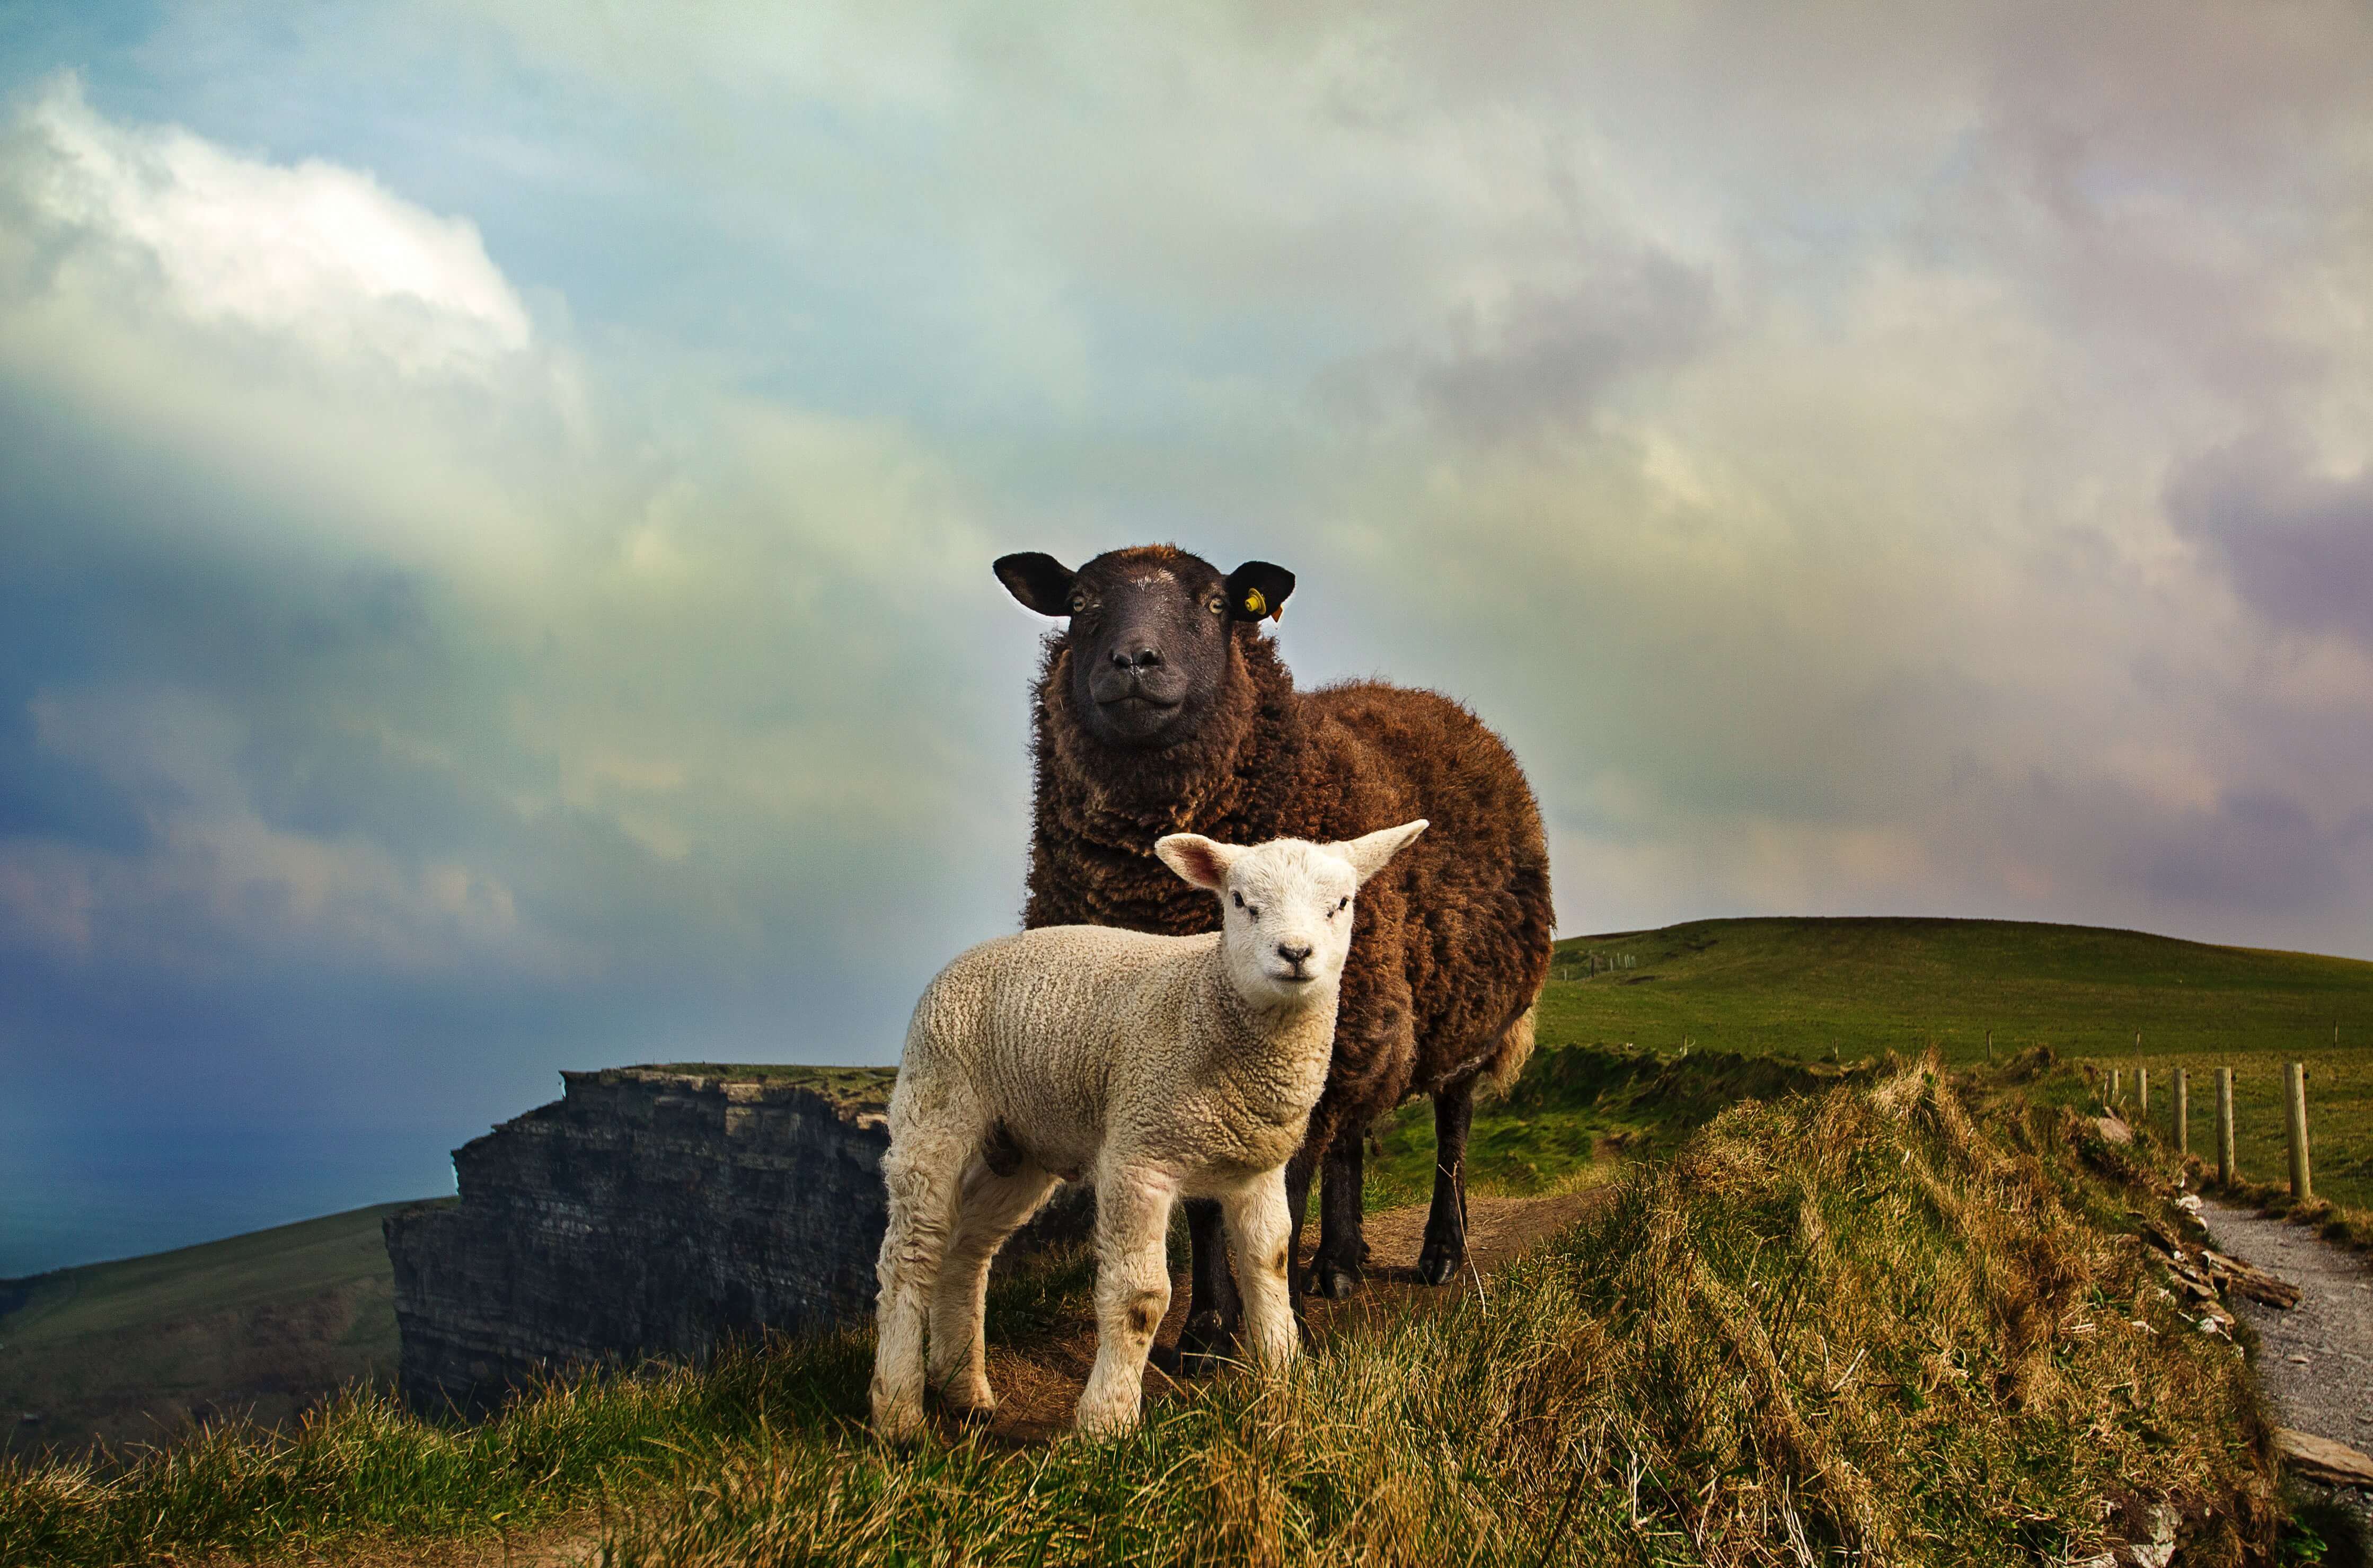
{"x": 650, "y": 1211}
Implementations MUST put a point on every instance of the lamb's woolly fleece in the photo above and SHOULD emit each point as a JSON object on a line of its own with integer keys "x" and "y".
{"x": 1160, "y": 1067}
{"x": 1028, "y": 1030}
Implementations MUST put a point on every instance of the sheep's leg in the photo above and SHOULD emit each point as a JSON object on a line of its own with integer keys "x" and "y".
{"x": 1214, "y": 1310}
{"x": 1261, "y": 1241}
{"x": 920, "y": 1173}
{"x": 1300, "y": 1172}
{"x": 992, "y": 1207}
{"x": 1132, "y": 1292}
{"x": 1341, "y": 1262}
{"x": 1445, "y": 1223}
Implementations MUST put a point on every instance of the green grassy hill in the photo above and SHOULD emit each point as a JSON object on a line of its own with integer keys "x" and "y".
{"x": 1799, "y": 987}
{"x": 265, "y": 1323}
{"x": 1805, "y": 988}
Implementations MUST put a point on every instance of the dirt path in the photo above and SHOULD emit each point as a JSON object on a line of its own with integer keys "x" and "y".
{"x": 1036, "y": 1387}
{"x": 568, "y": 1541}
{"x": 2315, "y": 1360}
{"x": 2317, "y": 1365}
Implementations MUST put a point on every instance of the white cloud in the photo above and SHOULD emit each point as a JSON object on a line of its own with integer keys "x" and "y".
{"x": 313, "y": 254}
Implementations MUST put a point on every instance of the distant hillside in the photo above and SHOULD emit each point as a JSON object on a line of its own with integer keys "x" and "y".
{"x": 1799, "y": 987}
{"x": 265, "y": 1322}
{"x": 1805, "y": 987}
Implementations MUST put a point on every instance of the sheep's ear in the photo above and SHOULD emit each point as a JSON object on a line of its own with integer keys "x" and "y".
{"x": 1204, "y": 862}
{"x": 1040, "y": 582}
{"x": 1257, "y": 589}
{"x": 1369, "y": 852}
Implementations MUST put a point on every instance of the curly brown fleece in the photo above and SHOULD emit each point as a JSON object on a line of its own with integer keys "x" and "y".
{"x": 1453, "y": 940}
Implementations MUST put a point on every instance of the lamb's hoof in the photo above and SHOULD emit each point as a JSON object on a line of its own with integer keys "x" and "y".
{"x": 973, "y": 1412}
{"x": 1440, "y": 1263}
{"x": 1206, "y": 1343}
{"x": 1337, "y": 1283}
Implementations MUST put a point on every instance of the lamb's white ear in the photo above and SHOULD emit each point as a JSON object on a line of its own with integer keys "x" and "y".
{"x": 1204, "y": 862}
{"x": 1369, "y": 852}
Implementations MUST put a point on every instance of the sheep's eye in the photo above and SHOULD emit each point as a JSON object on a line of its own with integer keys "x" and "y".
{"x": 1344, "y": 905}
{"x": 1079, "y": 604}
{"x": 1239, "y": 898}
{"x": 1216, "y": 604}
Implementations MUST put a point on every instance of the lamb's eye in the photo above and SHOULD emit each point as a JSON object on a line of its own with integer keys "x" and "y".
{"x": 1239, "y": 898}
{"x": 1344, "y": 905}
{"x": 1216, "y": 604}
{"x": 1079, "y": 604}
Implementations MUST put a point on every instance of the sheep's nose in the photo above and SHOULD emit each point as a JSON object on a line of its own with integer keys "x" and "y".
{"x": 1292, "y": 953}
{"x": 1137, "y": 657}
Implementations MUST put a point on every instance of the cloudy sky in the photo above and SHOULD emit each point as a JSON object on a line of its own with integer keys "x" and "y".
{"x": 499, "y": 501}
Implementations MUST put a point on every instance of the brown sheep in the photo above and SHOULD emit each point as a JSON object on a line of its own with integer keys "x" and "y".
{"x": 1161, "y": 708}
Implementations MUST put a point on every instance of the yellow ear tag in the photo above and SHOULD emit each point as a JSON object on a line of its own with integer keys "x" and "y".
{"x": 1254, "y": 606}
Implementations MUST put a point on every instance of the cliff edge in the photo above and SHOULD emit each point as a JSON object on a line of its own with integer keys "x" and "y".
{"x": 650, "y": 1212}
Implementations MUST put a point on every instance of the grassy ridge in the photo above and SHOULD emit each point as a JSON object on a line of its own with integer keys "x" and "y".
{"x": 1896, "y": 1318}
{"x": 1578, "y": 1113}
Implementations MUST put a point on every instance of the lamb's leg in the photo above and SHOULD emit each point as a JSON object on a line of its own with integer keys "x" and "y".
{"x": 991, "y": 1209}
{"x": 1260, "y": 1241}
{"x": 920, "y": 1173}
{"x": 1341, "y": 1262}
{"x": 1214, "y": 1310}
{"x": 1445, "y": 1223}
{"x": 1132, "y": 1292}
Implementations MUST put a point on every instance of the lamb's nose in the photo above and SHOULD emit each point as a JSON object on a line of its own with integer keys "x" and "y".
{"x": 1137, "y": 657}
{"x": 1293, "y": 954}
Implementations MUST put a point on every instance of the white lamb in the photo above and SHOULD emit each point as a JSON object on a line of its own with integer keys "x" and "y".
{"x": 1160, "y": 1067}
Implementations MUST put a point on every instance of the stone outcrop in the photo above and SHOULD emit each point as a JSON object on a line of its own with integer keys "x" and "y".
{"x": 650, "y": 1212}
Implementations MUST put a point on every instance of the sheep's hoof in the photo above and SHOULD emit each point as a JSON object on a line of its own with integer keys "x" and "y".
{"x": 1338, "y": 1284}
{"x": 1206, "y": 1343}
{"x": 1440, "y": 1263}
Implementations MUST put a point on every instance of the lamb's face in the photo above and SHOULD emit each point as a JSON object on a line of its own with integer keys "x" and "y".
{"x": 1285, "y": 915}
{"x": 1285, "y": 921}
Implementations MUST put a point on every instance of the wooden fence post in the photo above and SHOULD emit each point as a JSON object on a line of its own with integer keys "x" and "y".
{"x": 2224, "y": 1171}
{"x": 2183, "y": 1111}
{"x": 2117, "y": 1085}
{"x": 2295, "y": 1118}
{"x": 2142, "y": 1090}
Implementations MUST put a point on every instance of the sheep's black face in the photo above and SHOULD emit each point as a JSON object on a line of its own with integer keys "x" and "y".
{"x": 1149, "y": 629}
